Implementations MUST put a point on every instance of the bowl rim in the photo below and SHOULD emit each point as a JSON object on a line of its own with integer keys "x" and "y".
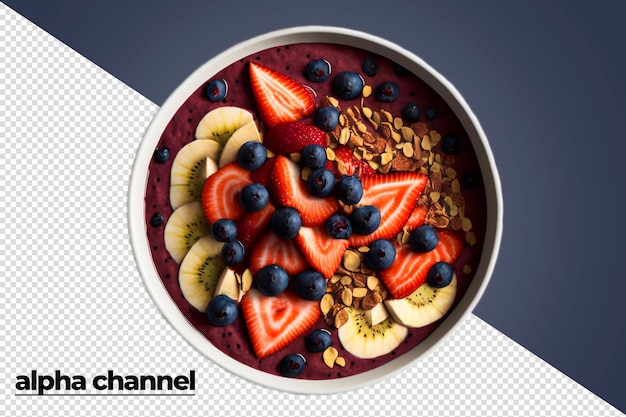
{"x": 306, "y": 34}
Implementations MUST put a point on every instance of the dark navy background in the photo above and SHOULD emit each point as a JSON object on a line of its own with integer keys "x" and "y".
{"x": 546, "y": 80}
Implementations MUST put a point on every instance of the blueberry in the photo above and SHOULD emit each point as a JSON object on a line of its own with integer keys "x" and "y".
{"x": 286, "y": 222}
{"x": 318, "y": 340}
{"x": 317, "y": 70}
{"x": 254, "y": 197}
{"x": 348, "y": 85}
{"x": 431, "y": 113}
{"x": 381, "y": 255}
{"x": 440, "y": 274}
{"x": 222, "y": 310}
{"x": 450, "y": 144}
{"x": 310, "y": 285}
{"x": 232, "y": 252}
{"x": 156, "y": 220}
{"x": 339, "y": 226}
{"x": 423, "y": 239}
{"x": 321, "y": 182}
{"x": 349, "y": 189}
{"x": 272, "y": 280}
{"x": 326, "y": 118}
{"x": 161, "y": 155}
{"x": 399, "y": 70}
{"x": 251, "y": 155}
{"x": 370, "y": 66}
{"x": 470, "y": 180}
{"x": 411, "y": 112}
{"x": 313, "y": 156}
{"x": 365, "y": 220}
{"x": 224, "y": 230}
{"x": 387, "y": 92}
{"x": 216, "y": 89}
{"x": 292, "y": 365}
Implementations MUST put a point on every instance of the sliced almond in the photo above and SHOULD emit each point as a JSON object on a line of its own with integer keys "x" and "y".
{"x": 372, "y": 282}
{"x": 359, "y": 292}
{"x": 329, "y": 356}
{"x": 351, "y": 261}
{"x": 340, "y": 361}
{"x": 246, "y": 280}
{"x": 346, "y": 296}
{"x": 326, "y": 303}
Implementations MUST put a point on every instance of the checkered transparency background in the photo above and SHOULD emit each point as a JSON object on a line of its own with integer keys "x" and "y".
{"x": 71, "y": 297}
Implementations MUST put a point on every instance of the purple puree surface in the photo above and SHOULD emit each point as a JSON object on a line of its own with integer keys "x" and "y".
{"x": 291, "y": 60}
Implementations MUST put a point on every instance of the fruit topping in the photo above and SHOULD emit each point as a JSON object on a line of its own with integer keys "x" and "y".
{"x": 262, "y": 174}
{"x": 286, "y": 222}
{"x": 222, "y": 310}
{"x": 310, "y": 285}
{"x": 395, "y": 195}
{"x": 233, "y": 252}
{"x": 220, "y": 196}
{"x": 292, "y": 365}
{"x": 423, "y": 239}
{"x": 431, "y": 113}
{"x": 338, "y": 226}
{"x": 224, "y": 230}
{"x": 288, "y": 138}
{"x": 313, "y": 156}
{"x": 317, "y": 70}
{"x": 253, "y": 197}
{"x": 450, "y": 144}
{"x": 274, "y": 322}
{"x": 251, "y": 155}
{"x": 440, "y": 274}
{"x": 349, "y": 189}
{"x": 410, "y": 112}
{"x": 217, "y": 89}
{"x": 288, "y": 189}
{"x": 321, "y": 182}
{"x": 186, "y": 225}
{"x": 279, "y": 98}
{"x": 251, "y": 226}
{"x": 156, "y": 220}
{"x": 416, "y": 219}
{"x": 161, "y": 155}
{"x": 365, "y": 219}
{"x": 272, "y": 280}
{"x": 387, "y": 92}
{"x": 381, "y": 254}
{"x": 323, "y": 253}
{"x": 246, "y": 133}
{"x": 370, "y": 66}
{"x": 349, "y": 164}
{"x": 410, "y": 269}
{"x": 326, "y": 118}
{"x": 318, "y": 340}
{"x": 271, "y": 249}
{"x": 348, "y": 85}
{"x": 219, "y": 124}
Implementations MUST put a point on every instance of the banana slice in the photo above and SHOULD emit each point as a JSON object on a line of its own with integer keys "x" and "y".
{"x": 185, "y": 226}
{"x": 200, "y": 272}
{"x": 220, "y": 123}
{"x": 190, "y": 169}
{"x": 424, "y": 306}
{"x": 365, "y": 341}
{"x": 248, "y": 132}
{"x": 377, "y": 314}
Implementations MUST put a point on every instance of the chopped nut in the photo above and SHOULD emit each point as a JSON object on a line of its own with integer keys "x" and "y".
{"x": 385, "y": 158}
{"x": 341, "y": 318}
{"x": 340, "y": 361}
{"x": 470, "y": 238}
{"x": 326, "y": 303}
{"x": 407, "y": 149}
{"x": 346, "y": 296}
{"x": 467, "y": 269}
{"x": 372, "y": 282}
{"x": 367, "y": 112}
{"x": 397, "y": 123}
{"x": 246, "y": 280}
{"x": 333, "y": 101}
{"x": 370, "y": 300}
{"x": 466, "y": 224}
{"x": 351, "y": 261}
{"x": 329, "y": 356}
{"x": 346, "y": 280}
{"x": 330, "y": 154}
{"x": 359, "y": 292}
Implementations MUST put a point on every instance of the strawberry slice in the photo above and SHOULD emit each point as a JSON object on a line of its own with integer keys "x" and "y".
{"x": 251, "y": 226}
{"x": 262, "y": 175}
{"x": 410, "y": 268}
{"x": 322, "y": 252}
{"x": 288, "y": 138}
{"x": 395, "y": 194}
{"x": 416, "y": 219}
{"x": 279, "y": 98}
{"x": 271, "y": 249}
{"x": 288, "y": 189}
{"x": 274, "y": 322}
{"x": 349, "y": 164}
{"x": 220, "y": 195}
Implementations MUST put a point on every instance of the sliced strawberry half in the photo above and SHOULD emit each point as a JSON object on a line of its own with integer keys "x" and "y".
{"x": 410, "y": 268}
{"x": 349, "y": 164}
{"x": 416, "y": 219}
{"x": 288, "y": 189}
{"x": 262, "y": 175}
{"x": 271, "y": 249}
{"x": 250, "y": 227}
{"x": 395, "y": 195}
{"x": 279, "y": 98}
{"x": 274, "y": 322}
{"x": 322, "y": 252}
{"x": 220, "y": 195}
{"x": 288, "y": 138}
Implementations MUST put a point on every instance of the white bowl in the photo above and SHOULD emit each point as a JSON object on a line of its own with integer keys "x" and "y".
{"x": 352, "y": 38}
